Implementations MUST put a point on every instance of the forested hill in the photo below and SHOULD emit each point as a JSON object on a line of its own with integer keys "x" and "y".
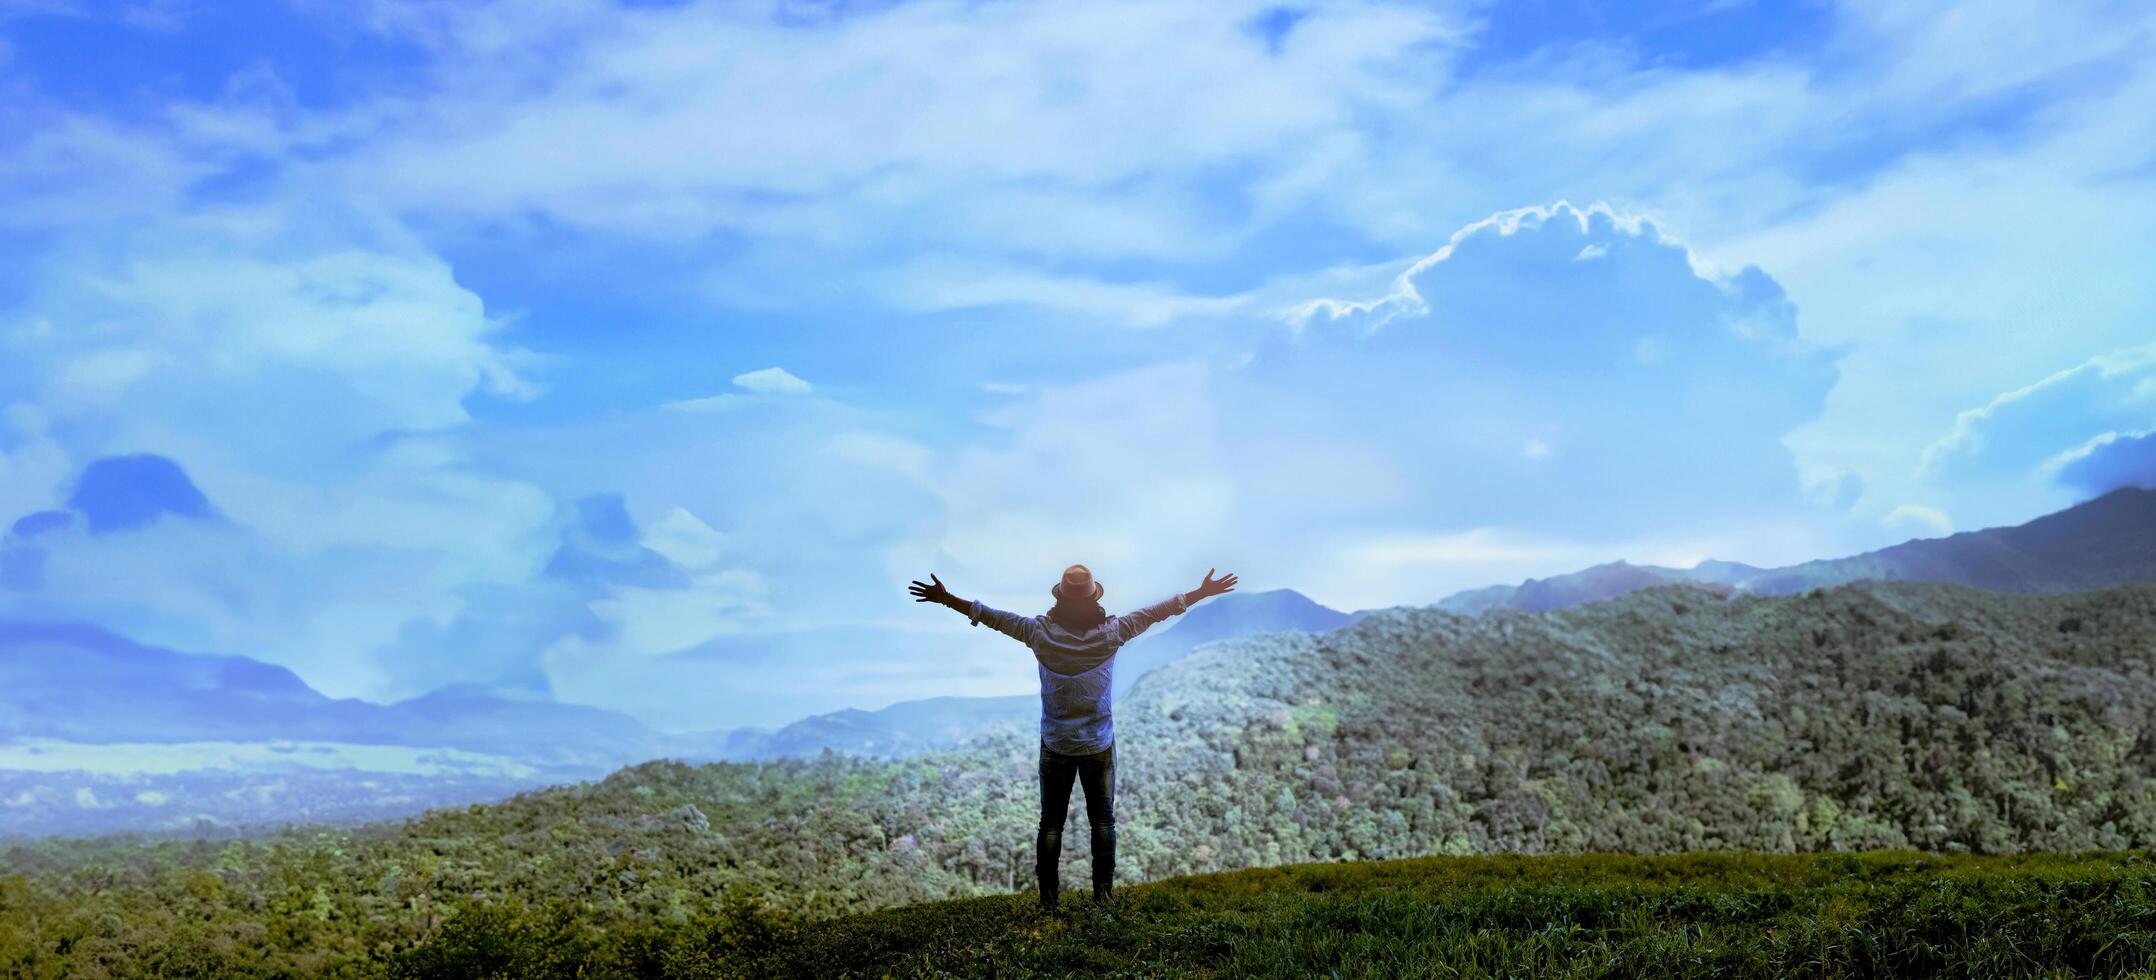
{"x": 1878, "y": 715}
{"x": 1891, "y": 715}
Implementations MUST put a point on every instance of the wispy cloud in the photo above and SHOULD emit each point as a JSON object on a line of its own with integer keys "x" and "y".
{"x": 771, "y": 381}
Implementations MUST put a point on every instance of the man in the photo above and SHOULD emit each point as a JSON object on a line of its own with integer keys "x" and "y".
{"x": 1074, "y": 644}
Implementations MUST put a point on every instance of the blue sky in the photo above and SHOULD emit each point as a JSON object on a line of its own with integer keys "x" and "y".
{"x": 639, "y": 354}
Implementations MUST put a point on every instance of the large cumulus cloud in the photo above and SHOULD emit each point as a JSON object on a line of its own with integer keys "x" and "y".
{"x": 1556, "y": 386}
{"x": 1567, "y": 369}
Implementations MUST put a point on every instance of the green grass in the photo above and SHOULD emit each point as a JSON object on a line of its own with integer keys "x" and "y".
{"x": 1739, "y": 915}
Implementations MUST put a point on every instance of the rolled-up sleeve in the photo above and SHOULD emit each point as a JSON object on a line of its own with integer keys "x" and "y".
{"x": 1130, "y": 624}
{"x": 1009, "y": 624}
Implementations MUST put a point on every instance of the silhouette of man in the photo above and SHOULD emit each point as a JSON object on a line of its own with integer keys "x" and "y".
{"x": 1074, "y": 644}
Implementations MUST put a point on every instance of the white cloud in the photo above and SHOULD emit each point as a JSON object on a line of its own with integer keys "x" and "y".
{"x": 1405, "y": 299}
{"x": 649, "y": 622}
{"x": 772, "y": 381}
{"x": 934, "y": 286}
{"x": 2110, "y": 461}
{"x": 1121, "y": 472}
{"x": 1971, "y": 269}
{"x": 897, "y": 455}
{"x": 133, "y": 325}
{"x": 2040, "y": 427}
{"x": 685, "y": 540}
{"x": 811, "y": 496}
{"x": 1387, "y": 553}
{"x": 293, "y": 370}
{"x": 196, "y": 587}
{"x": 68, "y": 168}
{"x": 33, "y": 465}
{"x": 722, "y": 402}
{"x": 963, "y": 122}
{"x": 1499, "y": 341}
{"x": 1918, "y": 517}
{"x": 1439, "y": 472}
{"x": 1408, "y": 565}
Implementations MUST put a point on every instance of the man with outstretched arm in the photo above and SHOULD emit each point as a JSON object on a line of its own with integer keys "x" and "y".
{"x": 1074, "y": 645}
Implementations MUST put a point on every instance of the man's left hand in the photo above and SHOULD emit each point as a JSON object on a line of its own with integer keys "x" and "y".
{"x": 930, "y": 591}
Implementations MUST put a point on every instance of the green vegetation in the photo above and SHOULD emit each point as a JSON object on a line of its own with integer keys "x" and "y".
{"x": 1905, "y": 716}
{"x": 629, "y": 853}
{"x": 1899, "y": 914}
{"x": 1895, "y": 914}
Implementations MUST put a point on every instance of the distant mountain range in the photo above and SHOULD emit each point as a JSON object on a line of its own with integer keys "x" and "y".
{"x": 904, "y": 729}
{"x": 84, "y": 703}
{"x": 75, "y": 698}
{"x": 2108, "y": 541}
{"x": 82, "y": 684}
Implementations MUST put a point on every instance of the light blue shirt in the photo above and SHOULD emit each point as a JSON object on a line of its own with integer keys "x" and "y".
{"x": 1075, "y": 667}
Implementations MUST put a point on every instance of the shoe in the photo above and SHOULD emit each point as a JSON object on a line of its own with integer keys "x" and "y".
{"x": 1046, "y": 866}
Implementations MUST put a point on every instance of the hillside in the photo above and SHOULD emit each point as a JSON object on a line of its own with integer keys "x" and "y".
{"x": 2107, "y": 541}
{"x": 1897, "y": 715}
{"x": 1892, "y": 715}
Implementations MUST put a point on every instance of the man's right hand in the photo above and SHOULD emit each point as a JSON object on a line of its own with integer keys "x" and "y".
{"x": 931, "y": 591}
{"x": 1212, "y": 586}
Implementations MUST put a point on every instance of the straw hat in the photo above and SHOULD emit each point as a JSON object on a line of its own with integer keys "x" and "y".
{"x": 1077, "y": 580}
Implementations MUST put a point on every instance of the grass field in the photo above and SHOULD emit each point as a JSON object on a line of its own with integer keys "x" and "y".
{"x": 1741, "y": 915}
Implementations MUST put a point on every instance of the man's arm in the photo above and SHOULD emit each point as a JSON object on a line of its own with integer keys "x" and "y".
{"x": 1130, "y": 624}
{"x": 1010, "y": 624}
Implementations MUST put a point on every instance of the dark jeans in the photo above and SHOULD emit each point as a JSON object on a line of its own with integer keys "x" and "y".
{"x": 1096, "y": 772}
